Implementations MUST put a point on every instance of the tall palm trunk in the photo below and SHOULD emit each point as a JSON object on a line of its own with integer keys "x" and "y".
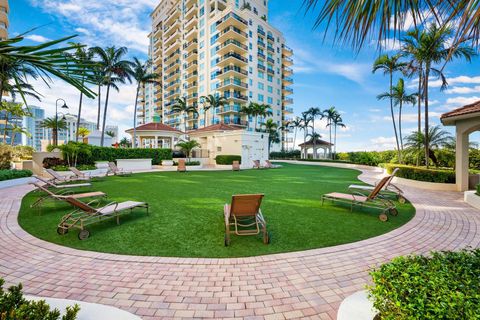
{"x": 425, "y": 88}
{"x": 393, "y": 119}
{"x": 314, "y": 140}
{"x": 79, "y": 111}
{"x": 5, "y": 129}
{"x": 99, "y": 106}
{"x": 134, "y": 142}
{"x": 330, "y": 137}
{"x": 105, "y": 116}
{"x": 400, "y": 124}
{"x": 294, "y": 138}
{"x": 305, "y": 150}
{"x": 420, "y": 77}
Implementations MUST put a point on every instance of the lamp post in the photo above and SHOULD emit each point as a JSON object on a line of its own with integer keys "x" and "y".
{"x": 56, "y": 118}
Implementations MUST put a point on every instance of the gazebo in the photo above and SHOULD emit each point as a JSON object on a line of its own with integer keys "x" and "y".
{"x": 319, "y": 144}
{"x": 156, "y": 135}
{"x": 466, "y": 120}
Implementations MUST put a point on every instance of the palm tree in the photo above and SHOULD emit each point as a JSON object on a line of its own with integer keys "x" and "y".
{"x": 248, "y": 111}
{"x": 18, "y": 130}
{"x": 330, "y": 114}
{"x": 260, "y": 110}
{"x": 212, "y": 102}
{"x": 296, "y": 123}
{"x": 399, "y": 97}
{"x": 11, "y": 110}
{"x": 437, "y": 139}
{"x": 286, "y": 128}
{"x": 82, "y": 56}
{"x": 336, "y": 121}
{"x": 270, "y": 127}
{"x": 83, "y": 132}
{"x": 125, "y": 143}
{"x": 111, "y": 134}
{"x": 54, "y": 124}
{"x": 389, "y": 65}
{"x": 98, "y": 78}
{"x": 182, "y": 107}
{"x": 430, "y": 47}
{"x": 141, "y": 74}
{"x": 115, "y": 70}
{"x": 306, "y": 119}
{"x": 314, "y": 113}
{"x": 18, "y": 63}
{"x": 188, "y": 146}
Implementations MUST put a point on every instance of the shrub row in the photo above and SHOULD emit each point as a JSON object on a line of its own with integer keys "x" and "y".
{"x": 295, "y": 154}
{"x": 14, "y": 174}
{"x": 112, "y": 154}
{"x": 422, "y": 174}
{"x": 444, "y": 285}
{"x": 227, "y": 159}
{"x": 80, "y": 167}
{"x": 369, "y": 158}
{"x": 188, "y": 163}
{"x": 324, "y": 160}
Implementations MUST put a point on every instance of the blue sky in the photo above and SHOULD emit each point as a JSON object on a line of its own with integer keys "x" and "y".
{"x": 325, "y": 75}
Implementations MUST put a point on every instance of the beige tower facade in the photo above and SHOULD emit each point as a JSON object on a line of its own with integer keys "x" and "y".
{"x": 4, "y": 23}
{"x": 220, "y": 47}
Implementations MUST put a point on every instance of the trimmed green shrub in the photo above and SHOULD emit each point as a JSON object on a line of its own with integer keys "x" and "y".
{"x": 369, "y": 158}
{"x": 324, "y": 160}
{"x": 112, "y": 154}
{"x": 79, "y": 167}
{"x": 188, "y": 163}
{"x": 14, "y": 306}
{"x": 6, "y": 156}
{"x": 14, "y": 174}
{"x": 445, "y": 285}
{"x": 228, "y": 159}
{"x": 294, "y": 154}
{"x": 422, "y": 174}
{"x": 49, "y": 163}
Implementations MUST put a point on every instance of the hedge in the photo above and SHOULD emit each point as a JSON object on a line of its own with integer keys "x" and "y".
{"x": 324, "y": 160}
{"x": 14, "y": 174}
{"x": 369, "y": 158}
{"x": 295, "y": 154}
{"x": 422, "y": 174}
{"x": 228, "y": 159}
{"x": 14, "y": 306}
{"x": 112, "y": 154}
{"x": 445, "y": 285}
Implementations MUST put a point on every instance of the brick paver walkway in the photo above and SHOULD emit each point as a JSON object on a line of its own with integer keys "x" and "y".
{"x": 308, "y": 284}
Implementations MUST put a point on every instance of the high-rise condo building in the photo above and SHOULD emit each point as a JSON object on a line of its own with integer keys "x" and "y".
{"x": 33, "y": 124}
{"x": 4, "y": 10}
{"x": 221, "y": 47}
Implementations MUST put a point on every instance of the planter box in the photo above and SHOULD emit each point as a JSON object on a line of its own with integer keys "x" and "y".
{"x": 167, "y": 163}
{"x": 473, "y": 181}
{"x": 426, "y": 185}
{"x": 134, "y": 164}
{"x": 101, "y": 164}
{"x": 472, "y": 199}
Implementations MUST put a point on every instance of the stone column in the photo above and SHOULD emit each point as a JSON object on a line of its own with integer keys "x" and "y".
{"x": 461, "y": 161}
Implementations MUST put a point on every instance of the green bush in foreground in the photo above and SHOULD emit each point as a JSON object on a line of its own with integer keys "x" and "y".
{"x": 188, "y": 163}
{"x": 14, "y": 174}
{"x": 13, "y": 306}
{"x": 81, "y": 167}
{"x": 422, "y": 174}
{"x": 294, "y": 154}
{"x": 228, "y": 159}
{"x": 445, "y": 285}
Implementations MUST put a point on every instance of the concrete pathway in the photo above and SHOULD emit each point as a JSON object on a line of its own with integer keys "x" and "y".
{"x": 307, "y": 284}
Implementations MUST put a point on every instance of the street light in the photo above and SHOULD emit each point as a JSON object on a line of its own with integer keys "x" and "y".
{"x": 56, "y": 118}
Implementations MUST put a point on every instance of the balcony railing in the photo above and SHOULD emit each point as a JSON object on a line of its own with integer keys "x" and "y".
{"x": 232, "y": 55}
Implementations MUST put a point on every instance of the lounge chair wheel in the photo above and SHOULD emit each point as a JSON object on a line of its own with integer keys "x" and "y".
{"x": 83, "y": 234}
{"x": 394, "y": 212}
{"x": 383, "y": 217}
{"x": 62, "y": 231}
{"x": 227, "y": 241}
{"x": 266, "y": 238}
{"x": 401, "y": 199}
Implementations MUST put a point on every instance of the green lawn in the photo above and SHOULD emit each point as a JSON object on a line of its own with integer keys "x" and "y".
{"x": 186, "y": 213}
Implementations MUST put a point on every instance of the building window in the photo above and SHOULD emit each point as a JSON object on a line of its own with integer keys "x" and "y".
{"x": 261, "y": 86}
{"x": 261, "y": 98}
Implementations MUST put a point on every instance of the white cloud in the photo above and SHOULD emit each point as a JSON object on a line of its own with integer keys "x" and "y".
{"x": 37, "y": 38}
{"x": 383, "y": 143}
{"x": 461, "y": 101}
{"x": 105, "y": 22}
{"x": 389, "y": 44}
{"x": 463, "y": 90}
{"x": 456, "y": 80}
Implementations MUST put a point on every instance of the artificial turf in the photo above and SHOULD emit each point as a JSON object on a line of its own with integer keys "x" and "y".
{"x": 186, "y": 213}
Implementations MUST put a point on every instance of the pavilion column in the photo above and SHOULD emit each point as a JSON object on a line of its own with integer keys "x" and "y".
{"x": 461, "y": 161}
{"x": 141, "y": 142}
{"x": 156, "y": 142}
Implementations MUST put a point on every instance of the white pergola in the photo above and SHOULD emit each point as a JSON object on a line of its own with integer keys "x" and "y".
{"x": 325, "y": 146}
{"x": 466, "y": 120}
{"x": 156, "y": 135}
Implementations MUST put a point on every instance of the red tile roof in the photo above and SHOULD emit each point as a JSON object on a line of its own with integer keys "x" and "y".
{"x": 155, "y": 127}
{"x": 470, "y": 108}
{"x": 219, "y": 127}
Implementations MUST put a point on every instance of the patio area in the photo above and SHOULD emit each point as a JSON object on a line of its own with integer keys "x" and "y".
{"x": 282, "y": 286}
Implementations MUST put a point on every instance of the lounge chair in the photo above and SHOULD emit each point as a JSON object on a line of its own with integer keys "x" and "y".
{"x": 62, "y": 186}
{"x": 256, "y": 164}
{"x": 86, "y": 214}
{"x": 389, "y": 189}
{"x": 243, "y": 217}
{"x": 270, "y": 165}
{"x": 62, "y": 195}
{"x": 82, "y": 175}
{"x": 373, "y": 200}
{"x": 181, "y": 167}
{"x": 117, "y": 171}
{"x": 59, "y": 178}
{"x": 236, "y": 166}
